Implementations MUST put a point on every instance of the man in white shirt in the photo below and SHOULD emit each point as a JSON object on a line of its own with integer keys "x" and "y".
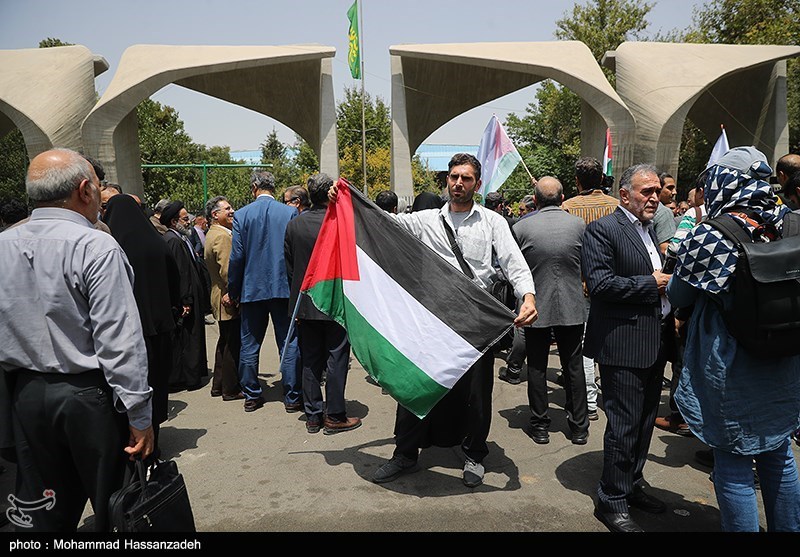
{"x": 478, "y": 233}
{"x": 73, "y": 358}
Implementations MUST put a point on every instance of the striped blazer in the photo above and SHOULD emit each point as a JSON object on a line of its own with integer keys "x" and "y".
{"x": 624, "y": 324}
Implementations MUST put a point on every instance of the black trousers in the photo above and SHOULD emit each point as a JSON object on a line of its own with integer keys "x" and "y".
{"x": 631, "y": 398}
{"x": 323, "y": 345}
{"x": 69, "y": 443}
{"x": 226, "y": 358}
{"x": 569, "y": 340}
{"x": 463, "y": 416}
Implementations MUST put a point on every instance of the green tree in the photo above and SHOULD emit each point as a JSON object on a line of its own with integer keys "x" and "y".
{"x": 50, "y": 42}
{"x": 305, "y": 158}
{"x": 13, "y": 165}
{"x": 378, "y": 144}
{"x": 348, "y": 121}
{"x": 274, "y": 156}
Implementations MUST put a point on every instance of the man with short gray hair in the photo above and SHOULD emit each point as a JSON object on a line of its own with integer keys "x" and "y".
{"x": 156, "y": 218}
{"x": 217, "y": 253}
{"x": 628, "y": 335}
{"x": 73, "y": 368}
{"x": 257, "y": 281}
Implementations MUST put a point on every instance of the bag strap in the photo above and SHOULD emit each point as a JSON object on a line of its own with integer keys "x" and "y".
{"x": 791, "y": 225}
{"x": 730, "y": 229}
{"x": 457, "y": 250}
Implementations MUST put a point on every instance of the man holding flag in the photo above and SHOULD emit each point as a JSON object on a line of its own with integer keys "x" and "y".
{"x": 465, "y": 235}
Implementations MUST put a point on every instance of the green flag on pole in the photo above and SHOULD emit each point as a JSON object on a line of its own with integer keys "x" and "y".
{"x": 354, "y": 52}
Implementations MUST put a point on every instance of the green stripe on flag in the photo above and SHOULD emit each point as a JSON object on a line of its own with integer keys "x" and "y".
{"x": 403, "y": 380}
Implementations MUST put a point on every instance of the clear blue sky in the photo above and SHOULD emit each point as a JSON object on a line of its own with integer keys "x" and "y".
{"x": 108, "y": 27}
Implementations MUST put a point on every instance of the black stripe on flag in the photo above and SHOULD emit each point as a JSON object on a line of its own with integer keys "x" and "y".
{"x": 445, "y": 291}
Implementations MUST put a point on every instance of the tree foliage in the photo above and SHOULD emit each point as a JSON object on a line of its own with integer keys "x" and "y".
{"x": 163, "y": 140}
{"x": 50, "y": 42}
{"x": 13, "y": 165}
{"x": 548, "y": 138}
{"x": 348, "y": 121}
{"x": 378, "y": 145}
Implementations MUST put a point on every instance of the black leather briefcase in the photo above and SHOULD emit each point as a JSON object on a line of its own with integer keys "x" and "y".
{"x": 157, "y": 502}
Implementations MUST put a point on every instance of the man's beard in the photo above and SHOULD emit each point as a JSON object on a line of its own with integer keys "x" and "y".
{"x": 184, "y": 230}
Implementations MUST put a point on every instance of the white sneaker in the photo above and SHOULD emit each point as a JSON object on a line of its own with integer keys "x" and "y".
{"x": 473, "y": 473}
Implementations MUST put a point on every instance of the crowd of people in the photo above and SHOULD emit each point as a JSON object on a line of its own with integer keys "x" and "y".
{"x": 118, "y": 298}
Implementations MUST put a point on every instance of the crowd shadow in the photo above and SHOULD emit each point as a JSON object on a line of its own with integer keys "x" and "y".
{"x": 173, "y": 441}
{"x": 426, "y": 482}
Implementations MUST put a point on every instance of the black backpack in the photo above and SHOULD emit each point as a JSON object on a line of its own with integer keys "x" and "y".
{"x": 765, "y": 315}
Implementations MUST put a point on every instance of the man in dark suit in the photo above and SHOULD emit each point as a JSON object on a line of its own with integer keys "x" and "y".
{"x": 625, "y": 334}
{"x": 257, "y": 281}
{"x": 551, "y": 242}
{"x": 323, "y": 342}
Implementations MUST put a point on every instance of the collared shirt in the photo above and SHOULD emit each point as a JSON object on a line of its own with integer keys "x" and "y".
{"x": 591, "y": 205}
{"x": 652, "y": 251}
{"x": 67, "y": 306}
{"x": 200, "y": 234}
{"x": 481, "y": 230}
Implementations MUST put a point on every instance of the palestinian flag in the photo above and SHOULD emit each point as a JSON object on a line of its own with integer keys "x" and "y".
{"x": 415, "y": 322}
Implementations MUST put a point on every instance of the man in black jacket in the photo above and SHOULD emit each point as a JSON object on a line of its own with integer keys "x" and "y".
{"x": 322, "y": 341}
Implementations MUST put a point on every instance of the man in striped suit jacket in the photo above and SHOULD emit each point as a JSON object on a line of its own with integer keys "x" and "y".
{"x": 625, "y": 334}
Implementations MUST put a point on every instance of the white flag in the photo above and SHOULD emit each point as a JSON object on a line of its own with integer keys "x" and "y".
{"x": 497, "y": 155}
{"x": 720, "y": 148}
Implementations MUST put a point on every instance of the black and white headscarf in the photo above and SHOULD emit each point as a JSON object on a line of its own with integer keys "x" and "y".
{"x": 736, "y": 183}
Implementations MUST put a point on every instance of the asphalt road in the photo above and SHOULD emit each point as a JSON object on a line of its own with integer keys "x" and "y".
{"x": 262, "y": 472}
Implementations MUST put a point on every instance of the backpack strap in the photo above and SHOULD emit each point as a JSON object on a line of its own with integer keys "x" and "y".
{"x": 791, "y": 225}
{"x": 731, "y": 229}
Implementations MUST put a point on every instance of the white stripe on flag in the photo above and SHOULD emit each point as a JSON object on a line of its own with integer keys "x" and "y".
{"x": 414, "y": 331}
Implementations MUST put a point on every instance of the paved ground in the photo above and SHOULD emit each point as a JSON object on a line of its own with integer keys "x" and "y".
{"x": 261, "y": 471}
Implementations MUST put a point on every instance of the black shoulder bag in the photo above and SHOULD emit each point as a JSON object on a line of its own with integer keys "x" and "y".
{"x": 158, "y": 503}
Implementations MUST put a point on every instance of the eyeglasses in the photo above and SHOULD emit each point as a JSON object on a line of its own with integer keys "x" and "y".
{"x": 293, "y": 200}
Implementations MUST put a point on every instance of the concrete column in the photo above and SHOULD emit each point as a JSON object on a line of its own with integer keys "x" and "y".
{"x": 401, "y": 181}
{"x": 328, "y": 150}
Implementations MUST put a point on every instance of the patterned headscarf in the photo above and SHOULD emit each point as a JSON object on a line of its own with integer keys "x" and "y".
{"x": 706, "y": 259}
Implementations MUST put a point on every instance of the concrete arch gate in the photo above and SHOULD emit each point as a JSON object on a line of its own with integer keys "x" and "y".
{"x": 49, "y": 94}
{"x": 432, "y": 84}
{"x": 293, "y": 84}
{"x": 742, "y": 87}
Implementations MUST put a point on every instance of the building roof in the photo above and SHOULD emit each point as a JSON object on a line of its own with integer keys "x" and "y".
{"x": 436, "y": 156}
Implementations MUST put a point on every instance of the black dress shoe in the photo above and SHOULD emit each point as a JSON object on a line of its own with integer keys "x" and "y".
{"x": 540, "y": 436}
{"x": 641, "y": 500}
{"x": 580, "y": 438}
{"x": 617, "y": 522}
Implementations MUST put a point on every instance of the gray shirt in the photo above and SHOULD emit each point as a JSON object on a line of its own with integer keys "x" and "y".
{"x": 476, "y": 235}
{"x": 664, "y": 224}
{"x": 67, "y": 306}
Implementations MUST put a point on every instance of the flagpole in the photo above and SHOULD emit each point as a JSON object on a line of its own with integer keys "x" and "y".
{"x": 526, "y": 168}
{"x": 363, "y": 99}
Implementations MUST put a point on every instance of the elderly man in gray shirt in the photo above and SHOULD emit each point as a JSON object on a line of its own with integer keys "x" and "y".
{"x": 73, "y": 358}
